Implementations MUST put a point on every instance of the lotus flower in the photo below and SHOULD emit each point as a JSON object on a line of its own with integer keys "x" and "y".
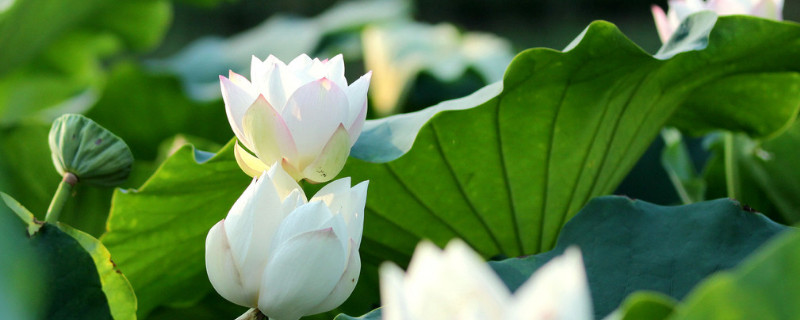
{"x": 284, "y": 255}
{"x": 668, "y": 22}
{"x": 303, "y": 115}
{"x": 457, "y": 284}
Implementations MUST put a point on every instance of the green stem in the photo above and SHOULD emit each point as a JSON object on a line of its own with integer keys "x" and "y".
{"x": 60, "y": 198}
{"x": 731, "y": 168}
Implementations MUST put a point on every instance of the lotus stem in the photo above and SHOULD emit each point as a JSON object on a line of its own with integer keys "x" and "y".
{"x": 60, "y": 198}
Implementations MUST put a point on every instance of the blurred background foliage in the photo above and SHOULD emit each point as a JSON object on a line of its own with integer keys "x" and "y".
{"x": 148, "y": 71}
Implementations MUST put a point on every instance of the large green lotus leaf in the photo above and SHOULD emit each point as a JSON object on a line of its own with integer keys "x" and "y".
{"x": 156, "y": 233}
{"x": 56, "y": 64}
{"x": 524, "y": 156}
{"x": 631, "y": 245}
{"x": 765, "y": 286}
{"x": 71, "y": 286}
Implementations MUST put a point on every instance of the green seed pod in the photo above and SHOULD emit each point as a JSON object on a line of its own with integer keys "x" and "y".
{"x": 80, "y": 146}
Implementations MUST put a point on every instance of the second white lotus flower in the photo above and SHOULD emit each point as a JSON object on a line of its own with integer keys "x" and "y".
{"x": 668, "y": 22}
{"x": 302, "y": 114}
{"x": 457, "y": 284}
{"x": 284, "y": 255}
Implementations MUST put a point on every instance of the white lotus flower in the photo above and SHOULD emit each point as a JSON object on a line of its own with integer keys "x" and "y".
{"x": 668, "y": 22}
{"x": 457, "y": 284}
{"x": 284, "y": 255}
{"x": 303, "y": 115}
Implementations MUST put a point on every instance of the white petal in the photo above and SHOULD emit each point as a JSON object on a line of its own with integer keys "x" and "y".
{"x": 250, "y": 225}
{"x": 237, "y": 99}
{"x": 558, "y": 289}
{"x": 249, "y": 163}
{"x": 393, "y": 293}
{"x": 354, "y": 216}
{"x": 313, "y": 114}
{"x": 345, "y": 285}
{"x": 222, "y": 271}
{"x": 283, "y": 182}
{"x": 333, "y": 69}
{"x": 267, "y": 132}
{"x": 266, "y": 77}
{"x": 303, "y": 272}
{"x": 357, "y": 97}
{"x": 308, "y": 217}
{"x": 335, "y": 194}
{"x": 439, "y": 284}
{"x": 301, "y": 62}
{"x": 331, "y": 159}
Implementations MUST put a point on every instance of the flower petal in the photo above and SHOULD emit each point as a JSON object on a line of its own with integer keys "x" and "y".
{"x": 249, "y": 163}
{"x": 237, "y": 99}
{"x": 558, "y": 289}
{"x": 268, "y": 133}
{"x": 267, "y": 79}
{"x": 308, "y": 217}
{"x": 354, "y": 216}
{"x": 283, "y": 182}
{"x": 357, "y": 96}
{"x": 222, "y": 271}
{"x": 250, "y": 226}
{"x": 345, "y": 285}
{"x": 393, "y": 293}
{"x": 313, "y": 113}
{"x": 331, "y": 160}
{"x": 466, "y": 277}
{"x": 335, "y": 194}
{"x": 302, "y": 273}
{"x": 663, "y": 26}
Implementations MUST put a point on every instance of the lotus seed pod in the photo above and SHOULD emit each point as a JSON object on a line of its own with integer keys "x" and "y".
{"x": 80, "y": 146}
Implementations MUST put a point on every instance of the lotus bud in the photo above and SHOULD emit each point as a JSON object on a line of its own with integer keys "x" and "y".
{"x": 283, "y": 254}
{"x": 88, "y": 151}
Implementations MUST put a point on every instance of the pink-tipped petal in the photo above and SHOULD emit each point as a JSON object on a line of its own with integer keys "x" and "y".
{"x": 312, "y": 114}
{"x": 268, "y": 133}
{"x": 332, "y": 158}
{"x": 237, "y": 99}
{"x": 249, "y": 163}
{"x": 663, "y": 26}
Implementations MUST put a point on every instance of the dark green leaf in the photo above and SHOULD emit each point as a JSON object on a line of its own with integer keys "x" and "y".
{"x": 72, "y": 288}
{"x": 631, "y": 245}
{"x": 765, "y": 286}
